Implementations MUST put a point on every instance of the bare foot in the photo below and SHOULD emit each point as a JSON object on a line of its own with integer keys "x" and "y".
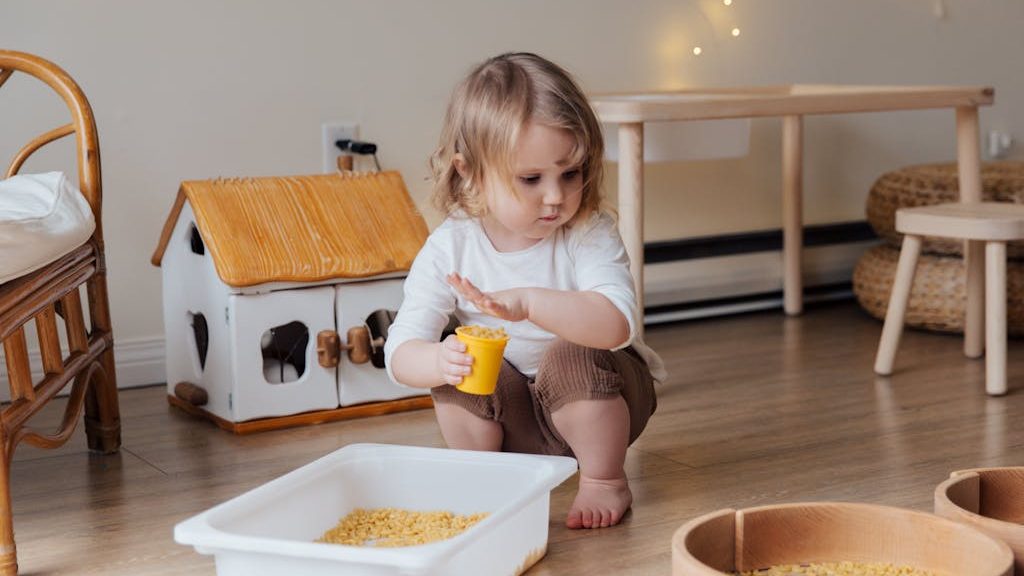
{"x": 599, "y": 503}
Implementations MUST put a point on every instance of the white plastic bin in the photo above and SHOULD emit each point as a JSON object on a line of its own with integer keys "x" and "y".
{"x": 271, "y": 529}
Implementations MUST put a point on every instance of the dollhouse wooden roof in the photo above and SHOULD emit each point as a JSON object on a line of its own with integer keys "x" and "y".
{"x": 302, "y": 228}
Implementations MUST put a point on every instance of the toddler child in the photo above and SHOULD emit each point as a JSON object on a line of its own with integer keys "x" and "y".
{"x": 526, "y": 246}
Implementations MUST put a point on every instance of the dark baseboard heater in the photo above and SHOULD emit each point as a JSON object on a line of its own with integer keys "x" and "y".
{"x": 834, "y": 244}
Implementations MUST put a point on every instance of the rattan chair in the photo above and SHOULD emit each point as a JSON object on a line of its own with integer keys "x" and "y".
{"x": 991, "y": 223}
{"x": 52, "y": 291}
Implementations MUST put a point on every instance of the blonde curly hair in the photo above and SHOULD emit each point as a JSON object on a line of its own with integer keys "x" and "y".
{"x": 488, "y": 111}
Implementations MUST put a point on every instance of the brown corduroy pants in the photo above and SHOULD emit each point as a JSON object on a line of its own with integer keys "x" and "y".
{"x": 567, "y": 373}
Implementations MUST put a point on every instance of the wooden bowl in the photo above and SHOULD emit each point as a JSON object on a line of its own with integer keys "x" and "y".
{"x": 989, "y": 499}
{"x": 729, "y": 541}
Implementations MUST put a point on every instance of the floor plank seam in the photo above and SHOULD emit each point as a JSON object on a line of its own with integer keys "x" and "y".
{"x": 144, "y": 461}
{"x": 669, "y": 458}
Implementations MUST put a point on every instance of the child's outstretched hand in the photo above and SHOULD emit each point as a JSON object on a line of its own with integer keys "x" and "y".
{"x": 508, "y": 305}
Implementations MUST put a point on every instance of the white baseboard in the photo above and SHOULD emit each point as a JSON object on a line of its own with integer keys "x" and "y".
{"x": 140, "y": 362}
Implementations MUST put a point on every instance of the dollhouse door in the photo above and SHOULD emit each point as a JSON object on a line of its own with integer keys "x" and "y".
{"x": 273, "y": 339}
{"x": 373, "y": 304}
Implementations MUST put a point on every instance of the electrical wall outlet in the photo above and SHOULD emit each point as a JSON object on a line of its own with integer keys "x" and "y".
{"x": 331, "y": 133}
{"x": 999, "y": 143}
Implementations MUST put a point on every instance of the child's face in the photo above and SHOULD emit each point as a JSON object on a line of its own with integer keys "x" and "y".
{"x": 548, "y": 189}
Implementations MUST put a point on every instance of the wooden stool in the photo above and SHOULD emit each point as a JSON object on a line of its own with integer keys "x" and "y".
{"x": 994, "y": 224}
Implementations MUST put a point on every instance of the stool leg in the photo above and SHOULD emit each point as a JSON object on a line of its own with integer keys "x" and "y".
{"x": 974, "y": 316}
{"x": 995, "y": 318}
{"x": 901, "y": 284}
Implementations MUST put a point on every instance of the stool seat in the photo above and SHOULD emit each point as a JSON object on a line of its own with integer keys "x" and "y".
{"x": 980, "y": 221}
{"x": 991, "y": 224}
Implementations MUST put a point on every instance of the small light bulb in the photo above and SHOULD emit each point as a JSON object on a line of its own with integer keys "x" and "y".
{"x": 735, "y": 31}
{"x": 727, "y": 2}
{"x": 697, "y": 51}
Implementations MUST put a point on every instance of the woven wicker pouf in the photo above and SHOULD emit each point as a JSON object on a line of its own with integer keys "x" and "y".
{"x": 930, "y": 184}
{"x": 938, "y": 296}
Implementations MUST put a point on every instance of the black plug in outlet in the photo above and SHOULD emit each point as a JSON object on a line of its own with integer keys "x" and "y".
{"x": 356, "y": 147}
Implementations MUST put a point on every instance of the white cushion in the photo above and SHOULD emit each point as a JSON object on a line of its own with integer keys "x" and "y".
{"x": 42, "y": 217}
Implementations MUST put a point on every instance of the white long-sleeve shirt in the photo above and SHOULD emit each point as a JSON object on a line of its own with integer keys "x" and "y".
{"x": 589, "y": 256}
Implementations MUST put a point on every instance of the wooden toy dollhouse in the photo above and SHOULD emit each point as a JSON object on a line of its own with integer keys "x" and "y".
{"x": 268, "y": 281}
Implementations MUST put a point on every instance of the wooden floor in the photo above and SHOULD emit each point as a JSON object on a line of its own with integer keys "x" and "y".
{"x": 759, "y": 409}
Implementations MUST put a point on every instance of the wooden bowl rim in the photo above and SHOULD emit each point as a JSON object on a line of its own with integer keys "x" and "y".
{"x": 679, "y": 536}
{"x": 958, "y": 476}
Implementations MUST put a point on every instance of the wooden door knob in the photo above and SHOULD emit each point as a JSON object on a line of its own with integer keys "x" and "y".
{"x": 328, "y": 348}
{"x": 360, "y": 347}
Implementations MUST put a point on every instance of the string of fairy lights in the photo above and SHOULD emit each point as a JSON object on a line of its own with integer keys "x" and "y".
{"x": 697, "y": 50}
{"x": 938, "y": 10}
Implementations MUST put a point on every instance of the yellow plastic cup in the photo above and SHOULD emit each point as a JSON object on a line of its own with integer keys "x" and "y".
{"x": 487, "y": 356}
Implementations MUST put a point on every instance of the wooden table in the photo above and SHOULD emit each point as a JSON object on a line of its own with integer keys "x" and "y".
{"x": 791, "y": 103}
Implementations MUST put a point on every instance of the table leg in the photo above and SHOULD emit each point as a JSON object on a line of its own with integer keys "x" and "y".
{"x": 792, "y": 217}
{"x": 969, "y": 169}
{"x": 631, "y": 207}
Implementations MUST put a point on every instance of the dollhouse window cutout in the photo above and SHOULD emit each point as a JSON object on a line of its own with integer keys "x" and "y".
{"x": 284, "y": 352}
{"x": 200, "y": 337}
{"x": 378, "y": 323}
{"x": 195, "y": 240}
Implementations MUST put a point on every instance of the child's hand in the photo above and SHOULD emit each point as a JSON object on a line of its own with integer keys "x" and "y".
{"x": 452, "y": 361}
{"x": 511, "y": 305}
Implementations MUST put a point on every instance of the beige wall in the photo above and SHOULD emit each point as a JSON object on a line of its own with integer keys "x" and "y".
{"x": 203, "y": 88}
